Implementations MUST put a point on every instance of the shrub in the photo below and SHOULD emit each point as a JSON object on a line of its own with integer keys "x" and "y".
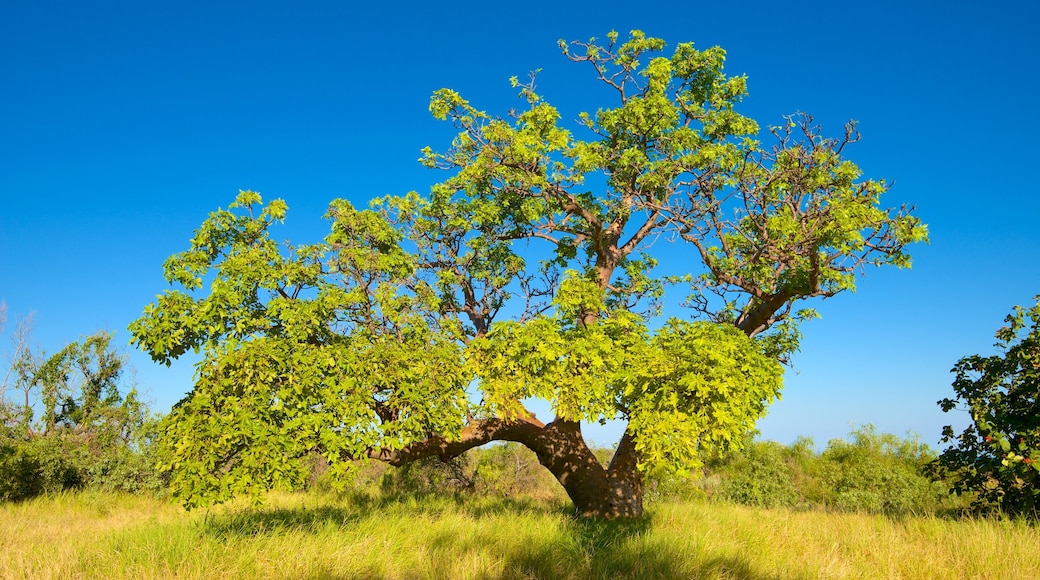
{"x": 996, "y": 460}
{"x": 64, "y": 461}
{"x": 510, "y": 469}
{"x": 431, "y": 475}
{"x": 879, "y": 473}
{"x": 88, "y": 432}
{"x": 20, "y": 476}
{"x": 868, "y": 471}
{"x": 760, "y": 476}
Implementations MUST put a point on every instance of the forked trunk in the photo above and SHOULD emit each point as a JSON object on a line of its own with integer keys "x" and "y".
{"x": 613, "y": 492}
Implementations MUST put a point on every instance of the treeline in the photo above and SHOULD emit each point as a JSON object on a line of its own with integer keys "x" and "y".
{"x": 867, "y": 471}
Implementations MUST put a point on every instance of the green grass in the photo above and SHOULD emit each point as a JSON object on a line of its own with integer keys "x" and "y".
{"x": 311, "y": 536}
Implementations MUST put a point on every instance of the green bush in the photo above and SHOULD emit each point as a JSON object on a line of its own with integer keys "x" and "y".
{"x": 61, "y": 462}
{"x": 510, "y": 470}
{"x": 503, "y": 470}
{"x": 759, "y": 476}
{"x": 64, "y": 461}
{"x": 677, "y": 487}
{"x": 879, "y": 473}
{"x": 20, "y": 474}
{"x": 430, "y": 476}
{"x": 996, "y": 461}
{"x": 868, "y": 472}
{"x": 87, "y": 433}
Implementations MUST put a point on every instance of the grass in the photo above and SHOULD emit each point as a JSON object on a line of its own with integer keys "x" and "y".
{"x": 310, "y": 536}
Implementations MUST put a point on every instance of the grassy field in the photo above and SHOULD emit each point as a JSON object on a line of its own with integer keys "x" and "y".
{"x": 311, "y": 536}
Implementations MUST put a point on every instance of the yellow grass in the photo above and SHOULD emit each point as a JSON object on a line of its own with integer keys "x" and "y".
{"x": 309, "y": 536}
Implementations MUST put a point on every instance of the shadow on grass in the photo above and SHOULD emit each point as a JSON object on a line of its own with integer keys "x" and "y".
{"x": 348, "y": 509}
{"x": 262, "y": 521}
{"x": 526, "y": 538}
{"x": 621, "y": 549}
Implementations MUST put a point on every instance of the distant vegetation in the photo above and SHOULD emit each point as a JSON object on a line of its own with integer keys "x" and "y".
{"x": 68, "y": 421}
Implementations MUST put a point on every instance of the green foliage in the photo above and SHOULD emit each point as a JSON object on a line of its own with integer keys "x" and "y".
{"x": 997, "y": 458}
{"x": 64, "y": 461}
{"x": 20, "y": 474}
{"x": 88, "y": 433}
{"x": 504, "y": 470}
{"x": 760, "y": 478}
{"x": 511, "y": 470}
{"x": 699, "y": 388}
{"x": 879, "y": 473}
{"x": 868, "y": 472}
{"x": 429, "y": 475}
{"x": 389, "y": 335}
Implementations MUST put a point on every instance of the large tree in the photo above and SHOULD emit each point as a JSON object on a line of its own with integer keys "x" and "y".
{"x": 424, "y": 325}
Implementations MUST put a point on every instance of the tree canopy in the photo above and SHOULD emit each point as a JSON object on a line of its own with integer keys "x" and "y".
{"x": 425, "y": 323}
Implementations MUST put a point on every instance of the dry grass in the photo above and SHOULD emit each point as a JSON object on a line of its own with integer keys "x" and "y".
{"x": 99, "y": 536}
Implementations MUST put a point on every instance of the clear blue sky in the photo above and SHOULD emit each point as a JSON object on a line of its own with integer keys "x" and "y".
{"x": 122, "y": 124}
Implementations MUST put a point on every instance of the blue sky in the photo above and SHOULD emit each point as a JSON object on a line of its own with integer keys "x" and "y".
{"x": 122, "y": 124}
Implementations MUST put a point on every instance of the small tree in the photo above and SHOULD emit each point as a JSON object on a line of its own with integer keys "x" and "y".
{"x": 390, "y": 339}
{"x": 997, "y": 458}
{"x": 19, "y": 365}
{"x": 69, "y": 424}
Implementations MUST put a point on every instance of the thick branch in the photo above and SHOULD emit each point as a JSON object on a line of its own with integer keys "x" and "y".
{"x": 475, "y": 434}
{"x": 760, "y": 317}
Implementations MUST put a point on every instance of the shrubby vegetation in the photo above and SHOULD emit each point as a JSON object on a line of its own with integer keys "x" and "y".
{"x": 68, "y": 422}
{"x": 868, "y": 471}
{"x": 996, "y": 460}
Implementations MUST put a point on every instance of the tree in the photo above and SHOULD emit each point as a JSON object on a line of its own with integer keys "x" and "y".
{"x": 997, "y": 457}
{"x": 69, "y": 424}
{"x": 18, "y": 364}
{"x": 423, "y": 325}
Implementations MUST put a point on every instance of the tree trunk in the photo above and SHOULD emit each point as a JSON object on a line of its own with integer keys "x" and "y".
{"x": 609, "y": 493}
{"x": 614, "y": 492}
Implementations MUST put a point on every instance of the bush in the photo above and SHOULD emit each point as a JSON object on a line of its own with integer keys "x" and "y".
{"x": 879, "y": 473}
{"x": 996, "y": 460}
{"x": 760, "y": 476}
{"x": 430, "y": 476}
{"x": 510, "y": 469}
{"x": 89, "y": 432}
{"x": 868, "y": 472}
{"x": 58, "y": 462}
{"x": 20, "y": 474}
{"x": 678, "y": 487}
{"x": 64, "y": 461}
{"x": 502, "y": 469}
